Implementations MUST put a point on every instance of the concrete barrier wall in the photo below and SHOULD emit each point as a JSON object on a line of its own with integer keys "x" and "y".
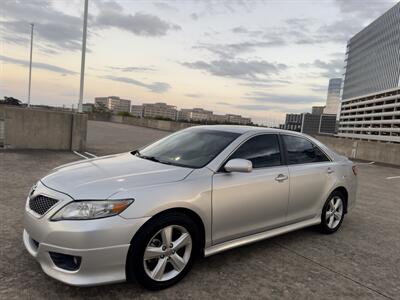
{"x": 365, "y": 150}
{"x": 152, "y": 123}
{"x": 44, "y": 129}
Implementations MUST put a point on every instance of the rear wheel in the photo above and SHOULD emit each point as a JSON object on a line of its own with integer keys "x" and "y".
{"x": 332, "y": 213}
{"x": 162, "y": 253}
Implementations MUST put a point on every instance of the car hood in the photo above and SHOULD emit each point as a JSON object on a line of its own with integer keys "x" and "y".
{"x": 101, "y": 177}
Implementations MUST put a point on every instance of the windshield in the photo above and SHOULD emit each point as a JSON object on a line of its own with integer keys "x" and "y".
{"x": 192, "y": 148}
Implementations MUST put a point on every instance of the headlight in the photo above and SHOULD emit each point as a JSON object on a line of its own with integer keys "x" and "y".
{"x": 92, "y": 209}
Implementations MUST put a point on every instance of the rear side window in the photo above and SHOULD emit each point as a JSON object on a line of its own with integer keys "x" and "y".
{"x": 301, "y": 151}
{"x": 262, "y": 150}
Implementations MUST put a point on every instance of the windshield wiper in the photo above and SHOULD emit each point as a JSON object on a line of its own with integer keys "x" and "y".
{"x": 152, "y": 158}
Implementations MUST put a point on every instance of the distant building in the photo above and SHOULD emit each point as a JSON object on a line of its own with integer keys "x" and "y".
{"x": 114, "y": 103}
{"x": 333, "y": 97}
{"x": 310, "y": 123}
{"x": 195, "y": 114}
{"x": 221, "y": 119}
{"x": 160, "y": 110}
{"x": 237, "y": 119}
{"x": 370, "y": 107}
{"x": 318, "y": 124}
{"x": 293, "y": 122}
{"x": 317, "y": 110}
{"x": 137, "y": 111}
{"x": 88, "y": 107}
{"x": 328, "y": 124}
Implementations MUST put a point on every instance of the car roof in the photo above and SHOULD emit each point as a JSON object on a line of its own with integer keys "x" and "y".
{"x": 244, "y": 129}
{"x": 241, "y": 129}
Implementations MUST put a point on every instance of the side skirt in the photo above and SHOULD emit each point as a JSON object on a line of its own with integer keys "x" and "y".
{"x": 259, "y": 236}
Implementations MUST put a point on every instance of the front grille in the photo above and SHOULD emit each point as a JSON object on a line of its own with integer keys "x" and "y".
{"x": 41, "y": 204}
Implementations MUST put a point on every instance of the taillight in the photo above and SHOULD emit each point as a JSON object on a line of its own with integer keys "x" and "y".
{"x": 354, "y": 168}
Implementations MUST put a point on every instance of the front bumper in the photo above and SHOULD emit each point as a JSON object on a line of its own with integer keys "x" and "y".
{"x": 102, "y": 245}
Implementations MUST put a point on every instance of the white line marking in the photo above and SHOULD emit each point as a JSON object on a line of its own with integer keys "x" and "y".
{"x": 90, "y": 154}
{"x": 83, "y": 156}
{"x": 393, "y": 177}
{"x": 368, "y": 163}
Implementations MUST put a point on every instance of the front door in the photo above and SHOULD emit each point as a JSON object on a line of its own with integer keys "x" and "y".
{"x": 247, "y": 203}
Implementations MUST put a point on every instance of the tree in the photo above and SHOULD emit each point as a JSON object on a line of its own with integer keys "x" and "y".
{"x": 11, "y": 101}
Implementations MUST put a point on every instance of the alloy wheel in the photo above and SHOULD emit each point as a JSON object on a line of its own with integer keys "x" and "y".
{"x": 334, "y": 212}
{"x": 167, "y": 253}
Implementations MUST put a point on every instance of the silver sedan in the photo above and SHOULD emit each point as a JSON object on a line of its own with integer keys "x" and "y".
{"x": 147, "y": 214}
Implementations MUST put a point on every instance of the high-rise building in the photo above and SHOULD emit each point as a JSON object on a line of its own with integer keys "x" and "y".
{"x": 370, "y": 107}
{"x": 113, "y": 103}
{"x": 373, "y": 57}
{"x": 333, "y": 97}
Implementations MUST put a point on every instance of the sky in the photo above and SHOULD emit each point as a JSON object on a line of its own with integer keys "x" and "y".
{"x": 260, "y": 59}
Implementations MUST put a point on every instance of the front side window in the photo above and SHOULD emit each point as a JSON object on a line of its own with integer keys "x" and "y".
{"x": 300, "y": 151}
{"x": 262, "y": 150}
{"x": 193, "y": 148}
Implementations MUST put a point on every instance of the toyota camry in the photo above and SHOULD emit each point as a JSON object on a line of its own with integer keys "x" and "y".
{"x": 146, "y": 215}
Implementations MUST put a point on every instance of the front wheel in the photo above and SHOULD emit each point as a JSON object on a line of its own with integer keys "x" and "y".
{"x": 162, "y": 253}
{"x": 332, "y": 213}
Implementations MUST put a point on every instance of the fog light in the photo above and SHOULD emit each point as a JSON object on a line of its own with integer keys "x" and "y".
{"x": 65, "y": 261}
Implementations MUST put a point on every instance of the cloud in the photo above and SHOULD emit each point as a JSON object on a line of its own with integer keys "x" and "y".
{"x": 329, "y": 69}
{"x": 369, "y": 10}
{"x": 194, "y": 95}
{"x": 264, "y": 107}
{"x": 244, "y": 30}
{"x": 267, "y": 83}
{"x": 194, "y": 16}
{"x": 155, "y": 87}
{"x": 240, "y": 69}
{"x": 264, "y": 97}
{"x": 233, "y": 49}
{"x": 37, "y": 65}
{"x": 139, "y": 24}
{"x": 55, "y": 29}
{"x": 165, "y": 6}
{"x": 133, "y": 69}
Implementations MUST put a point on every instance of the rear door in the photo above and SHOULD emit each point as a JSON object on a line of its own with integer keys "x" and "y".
{"x": 311, "y": 177}
{"x": 246, "y": 203}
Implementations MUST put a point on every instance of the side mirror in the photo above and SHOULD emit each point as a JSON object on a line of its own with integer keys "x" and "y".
{"x": 239, "y": 165}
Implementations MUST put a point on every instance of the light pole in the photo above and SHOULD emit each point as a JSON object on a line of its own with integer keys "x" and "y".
{"x": 30, "y": 68}
{"x": 85, "y": 15}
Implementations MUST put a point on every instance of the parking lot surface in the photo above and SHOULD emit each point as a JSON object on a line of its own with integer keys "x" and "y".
{"x": 362, "y": 260}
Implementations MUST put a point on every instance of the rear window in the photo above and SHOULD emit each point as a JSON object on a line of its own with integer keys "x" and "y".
{"x": 300, "y": 151}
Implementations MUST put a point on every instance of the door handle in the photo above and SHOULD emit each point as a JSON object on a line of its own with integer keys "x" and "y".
{"x": 330, "y": 171}
{"x": 281, "y": 177}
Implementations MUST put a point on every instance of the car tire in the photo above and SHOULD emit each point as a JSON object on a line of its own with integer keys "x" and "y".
{"x": 151, "y": 240}
{"x": 332, "y": 213}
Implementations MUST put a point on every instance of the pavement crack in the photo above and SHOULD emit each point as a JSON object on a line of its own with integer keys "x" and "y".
{"x": 334, "y": 271}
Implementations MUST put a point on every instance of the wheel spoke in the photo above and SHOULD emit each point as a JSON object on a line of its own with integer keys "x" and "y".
{"x": 331, "y": 220}
{"x": 177, "y": 262}
{"x": 166, "y": 235}
{"x": 158, "y": 271}
{"x": 338, "y": 203}
{"x": 328, "y": 214}
{"x": 152, "y": 252}
{"x": 337, "y": 215}
{"x": 182, "y": 241}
